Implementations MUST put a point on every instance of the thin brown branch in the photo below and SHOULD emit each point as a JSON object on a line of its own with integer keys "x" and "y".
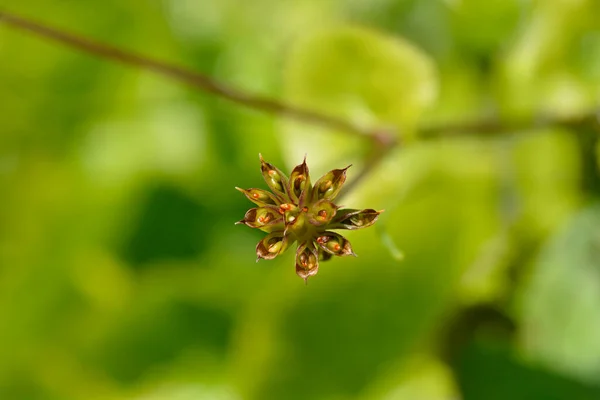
{"x": 492, "y": 127}
{"x": 383, "y": 141}
{"x": 191, "y": 78}
{"x": 484, "y": 128}
{"x": 383, "y": 146}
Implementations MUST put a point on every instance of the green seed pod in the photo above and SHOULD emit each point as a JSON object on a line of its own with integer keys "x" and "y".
{"x": 322, "y": 212}
{"x": 271, "y": 246}
{"x": 275, "y": 179}
{"x": 300, "y": 188}
{"x": 335, "y": 244}
{"x": 354, "y": 219}
{"x": 307, "y": 261}
{"x": 330, "y": 184}
{"x": 265, "y": 218}
{"x": 259, "y": 197}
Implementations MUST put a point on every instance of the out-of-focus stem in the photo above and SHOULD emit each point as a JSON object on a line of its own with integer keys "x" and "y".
{"x": 383, "y": 141}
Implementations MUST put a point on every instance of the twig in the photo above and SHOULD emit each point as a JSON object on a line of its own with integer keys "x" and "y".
{"x": 491, "y": 127}
{"x": 383, "y": 141}
{"x": 192, "y": 78}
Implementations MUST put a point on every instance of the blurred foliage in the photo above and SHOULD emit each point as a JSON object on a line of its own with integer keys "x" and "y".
{"x": 122, "y": 275}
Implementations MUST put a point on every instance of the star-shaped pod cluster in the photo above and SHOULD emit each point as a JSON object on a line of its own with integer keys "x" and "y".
{"x": 297, "y": 211}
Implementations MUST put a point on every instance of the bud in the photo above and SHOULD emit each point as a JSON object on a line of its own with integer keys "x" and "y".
{"x": 354, "y": 219}
{"x": 259, "y": 197}
{"x": 322, "y": 212}
{"x": 335, "y": 244}
{"x": 275, "y": 179}
{"x": 307, "y": 262}
{"x": 265, "y": 218}
{"x": 300, "y": 187}
{"x": 271, "y": 246}
{"x": 330, "y": 184}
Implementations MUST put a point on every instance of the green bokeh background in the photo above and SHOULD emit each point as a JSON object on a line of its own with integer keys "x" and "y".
{"x": 122, "y": 275}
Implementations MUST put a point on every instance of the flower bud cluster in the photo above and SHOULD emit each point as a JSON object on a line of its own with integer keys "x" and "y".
{"x": 294, "y": 210}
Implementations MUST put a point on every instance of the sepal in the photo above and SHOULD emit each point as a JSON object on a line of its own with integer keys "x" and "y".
{"x": 354, "y": 219}
{"x": 259, "y": 197}
{"x": 334, "y": 244}
{"x": 275, "y": 179}
{"x": 330, "y": 184}
{"x": 300, "y": 187}
{"x": 272, "y": 245}
{"x": 322, "y": 212}
{"x": 307, "y": 261}
{"x": 267, "y": 218}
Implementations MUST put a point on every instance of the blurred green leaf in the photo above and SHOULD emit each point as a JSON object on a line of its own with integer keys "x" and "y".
{"x": 420, "y": 377}
{"x": 483, "y": 27}
{"x": 545, "y": 166}
{"x": 534, "y": 72}
{"x": 362, "y": 76}
{"x": 123, "y": 277}
{"x": 172, "y": 225}
{"x": 489, "y": 371}
{"x": 151, "y": 338}
{"x": 559, "y": 301}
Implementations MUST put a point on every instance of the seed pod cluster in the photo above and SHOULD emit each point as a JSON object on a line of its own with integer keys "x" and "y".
{"x": 294, "y": 210}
